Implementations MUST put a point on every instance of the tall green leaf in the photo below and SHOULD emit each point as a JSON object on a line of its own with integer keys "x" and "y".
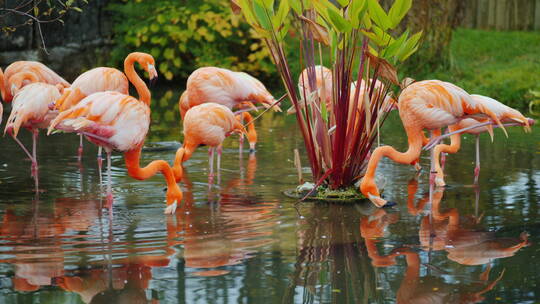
{"x": 398, "y": 10}
{"x": 261, "y": 16}
{"x": 356, "y": 11}
{"x": 339, "y": 23}
{"x": 281, "y": 14}
{"x": 378, "y": 15}
{"x": 296, "y": 6}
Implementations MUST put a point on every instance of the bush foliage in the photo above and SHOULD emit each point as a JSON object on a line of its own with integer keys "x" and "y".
{"x": 185, "y": 35}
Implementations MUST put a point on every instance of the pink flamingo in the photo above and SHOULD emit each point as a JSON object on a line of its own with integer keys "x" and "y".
{"x": 30, "y": 110}
{"x": 430, "y": 104}
{"x": 99, "y": 79}
{"x": 504, "y": 113}
{"x": 117, "y": 121}
{"x": 206, "y": 124}
{"x": 225, "y": 87}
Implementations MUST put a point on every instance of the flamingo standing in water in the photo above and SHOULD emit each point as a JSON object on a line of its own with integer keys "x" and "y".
{"x": 30, "y": 110}
{"x": 99, "y": 79}
{"x": 323, "y": 86}
{"x": 505, "y": 115}
{"x": 225, "y": 87}
{"x": 8, "y": 85}
{"x": 430, "y": 104}
{"x": 117, "y": 121}
{"x": 206, "y": 124}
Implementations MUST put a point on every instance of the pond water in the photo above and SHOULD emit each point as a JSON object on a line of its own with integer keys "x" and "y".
{"x": 242, "y": 241}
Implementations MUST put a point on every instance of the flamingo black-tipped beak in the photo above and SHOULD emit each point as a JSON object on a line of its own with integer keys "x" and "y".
{"x": 152, "y": 82}
{"x": 152, "y": 74}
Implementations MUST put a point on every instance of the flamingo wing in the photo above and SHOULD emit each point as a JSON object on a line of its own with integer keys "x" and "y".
{"x": 100, "y": 80}
{"x": 31, "y": 107}
{"x": 110, "y": 119}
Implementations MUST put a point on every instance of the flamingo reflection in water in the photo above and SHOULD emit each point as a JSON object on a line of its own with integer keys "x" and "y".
{"x": 463, "y": 238}
{"x": 125, "y": 283}
{"x": 465, "y": 244}
{"x": 38, "y": 239}
{"x": 225, "y": 232}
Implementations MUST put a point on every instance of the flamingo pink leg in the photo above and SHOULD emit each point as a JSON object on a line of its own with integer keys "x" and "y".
{"x": 35, "y": 134}
{"x": 219, "y": 151}
{"x": 241, "y": 138}
{"x": 109, "y": 180}
{"x": 211, "y": 160}
{"x": 443, "y": 160}
{"x": 432, "y": 172}
{"x": 80, "y": 150}
{"x": 477, "y": 168}
{"x": 100, "y": 164}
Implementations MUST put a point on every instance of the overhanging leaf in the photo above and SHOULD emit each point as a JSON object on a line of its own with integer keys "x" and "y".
{"x": 385, "y": 69}
{"x": 319, "y": 32}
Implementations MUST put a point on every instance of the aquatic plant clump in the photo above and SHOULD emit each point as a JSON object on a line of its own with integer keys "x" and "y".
{"x": 323, "y": 193}
{"x": 339, "y": 110}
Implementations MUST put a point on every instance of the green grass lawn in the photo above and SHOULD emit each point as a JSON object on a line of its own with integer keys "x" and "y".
{"x": 502, "y": 65}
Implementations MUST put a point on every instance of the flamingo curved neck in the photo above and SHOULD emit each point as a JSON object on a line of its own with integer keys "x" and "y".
{"x": 3, "y": 90}
{"x": 132, "y": 159}
{"x": 19, "y": 78}
{"x": 138, "y": 83}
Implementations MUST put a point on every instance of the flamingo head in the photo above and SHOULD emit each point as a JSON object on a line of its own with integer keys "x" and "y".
{"x": 369, "y": 190}
{"x": 148, "y": 64}
{"x": 174, "y": 198}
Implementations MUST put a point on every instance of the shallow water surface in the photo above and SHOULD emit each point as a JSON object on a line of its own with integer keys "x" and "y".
{"x": 241, "y": 240}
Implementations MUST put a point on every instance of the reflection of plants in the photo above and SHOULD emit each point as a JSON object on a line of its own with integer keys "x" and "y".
{"x": 332, "y": 263}
{"x": 355, "y": 35}
{"x": 187, "y": 35}
{"x": 536, "y": 100}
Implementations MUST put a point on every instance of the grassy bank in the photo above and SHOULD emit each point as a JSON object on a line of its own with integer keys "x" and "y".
{"x": 502, "y": 65}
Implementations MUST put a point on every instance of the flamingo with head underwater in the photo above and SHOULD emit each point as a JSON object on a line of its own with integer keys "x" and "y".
{"x": 206, "y": 124}
{"x": 116, "y": 121}
{"x": 429, "y": 104}
{"x": 98, "y": 79}
{"x": 504, "y": 113}
{"x": 228, "y": 88}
